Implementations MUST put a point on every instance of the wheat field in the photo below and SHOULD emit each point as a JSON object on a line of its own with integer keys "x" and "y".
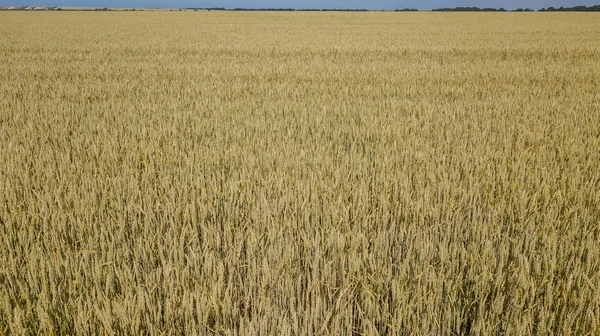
{"x": 227, "y": 173}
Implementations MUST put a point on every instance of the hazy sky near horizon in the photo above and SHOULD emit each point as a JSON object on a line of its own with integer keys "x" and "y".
{"x": 350, "y": 4}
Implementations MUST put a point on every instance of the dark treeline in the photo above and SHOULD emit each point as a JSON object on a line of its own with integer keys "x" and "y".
{"x": 469, "y": 9}
{"x": 595, "y": 8}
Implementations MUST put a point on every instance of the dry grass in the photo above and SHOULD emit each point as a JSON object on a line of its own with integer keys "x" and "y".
{"x": 299, "y": 173}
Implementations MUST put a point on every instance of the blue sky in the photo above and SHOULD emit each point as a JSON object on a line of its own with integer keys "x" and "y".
{"x": 369, "y": 4}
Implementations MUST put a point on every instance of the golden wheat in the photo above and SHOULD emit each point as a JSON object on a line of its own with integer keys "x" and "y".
{"x": 299, "y": 173}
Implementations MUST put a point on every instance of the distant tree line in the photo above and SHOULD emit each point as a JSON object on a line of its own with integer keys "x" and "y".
{"x": 469, "y": 9}
{"x": 595, "y": 8}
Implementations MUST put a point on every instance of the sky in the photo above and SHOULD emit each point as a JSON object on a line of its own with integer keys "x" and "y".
{"x": 348, "y": 4}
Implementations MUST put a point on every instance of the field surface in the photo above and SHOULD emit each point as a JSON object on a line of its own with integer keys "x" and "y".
{"x": 169, "y": 173}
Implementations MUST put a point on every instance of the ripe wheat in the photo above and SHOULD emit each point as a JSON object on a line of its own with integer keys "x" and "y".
{"x": 299, "y": 173}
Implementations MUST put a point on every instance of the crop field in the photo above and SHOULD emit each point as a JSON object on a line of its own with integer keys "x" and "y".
{"x": 277, "y": 173}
